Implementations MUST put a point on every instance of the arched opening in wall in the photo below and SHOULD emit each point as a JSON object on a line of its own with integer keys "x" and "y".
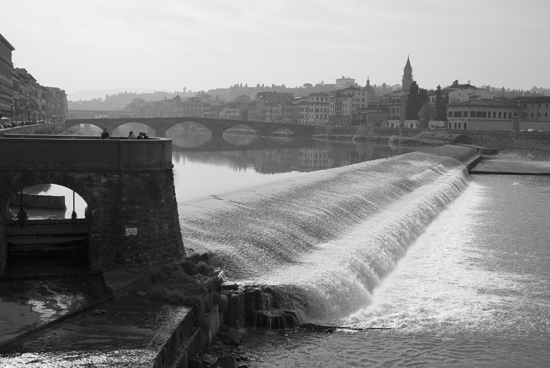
{"x": 46, "y": 232}
{"x": 136, "y": 128}
{"x": 85, "y": 129}
{"x": 240, "y": 135}
{"x": 188, "y": 134}
{"x": 282, "y": 135}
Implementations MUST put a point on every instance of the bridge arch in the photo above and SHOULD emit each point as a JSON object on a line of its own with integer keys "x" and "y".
{"x": 216, "y": 126}
{"x": 62, "y": 242}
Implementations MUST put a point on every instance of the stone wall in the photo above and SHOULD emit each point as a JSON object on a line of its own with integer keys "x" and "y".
{"x": 128, "y": 188}
{"x": 493, "y": 139}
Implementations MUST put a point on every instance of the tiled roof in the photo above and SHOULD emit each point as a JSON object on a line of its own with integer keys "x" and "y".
{"x": 533, "y": 99}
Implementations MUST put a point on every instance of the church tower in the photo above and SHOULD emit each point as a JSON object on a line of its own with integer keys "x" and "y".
{"x": 407, "y": 76}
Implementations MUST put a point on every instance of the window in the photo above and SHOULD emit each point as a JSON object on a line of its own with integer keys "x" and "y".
{"x": 498, "y": 114}
{"x": 465, "y": 114}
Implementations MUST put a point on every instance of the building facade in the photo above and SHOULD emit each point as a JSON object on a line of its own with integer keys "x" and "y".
{"x": 318, "y": 108}
{"x": 6, "y": 78}
{"x": 342, "y": 83}
{"x": 485, "y": 114}
{"x": 342, "y": 103}
{"x": 534, "y": 113}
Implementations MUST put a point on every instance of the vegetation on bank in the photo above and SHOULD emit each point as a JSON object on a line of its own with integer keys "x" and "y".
{"x": 190, "y": 282}
{"x": 363, "y": 134}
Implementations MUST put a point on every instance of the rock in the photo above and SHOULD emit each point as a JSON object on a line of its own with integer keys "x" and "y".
{"x": 227, "y": 362}
{"x": 96, "y": 312}
{"x": 141, "y": 293}
{"x": 234, "y": 336}
{"x": 206, "y": 358}
{"x": 230, "y": 287}
{"x": 195, "y": 364}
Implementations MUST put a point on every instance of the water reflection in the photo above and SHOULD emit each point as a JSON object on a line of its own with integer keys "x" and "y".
{"x": 189, "y": 134}
{"x": 305, "y": 155}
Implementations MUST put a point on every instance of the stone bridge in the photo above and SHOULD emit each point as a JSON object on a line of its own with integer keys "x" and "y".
{"x": 216, "y": 126}
{"x": 128, "y": 186}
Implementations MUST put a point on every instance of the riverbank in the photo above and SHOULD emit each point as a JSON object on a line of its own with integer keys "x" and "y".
{"x": 122, "y": 317}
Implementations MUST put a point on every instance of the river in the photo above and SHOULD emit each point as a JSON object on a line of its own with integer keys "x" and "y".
{"x": 453, "y": 267}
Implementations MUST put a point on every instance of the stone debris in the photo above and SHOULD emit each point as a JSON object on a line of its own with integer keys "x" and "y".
{"x": 141, "y": 293}
{"x": 224, "y": 352}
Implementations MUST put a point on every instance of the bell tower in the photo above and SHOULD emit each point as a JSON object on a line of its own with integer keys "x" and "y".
{"x": 407, "y": 76}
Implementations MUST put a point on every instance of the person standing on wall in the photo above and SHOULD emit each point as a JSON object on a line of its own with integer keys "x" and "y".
{"x": 104, "y": 134}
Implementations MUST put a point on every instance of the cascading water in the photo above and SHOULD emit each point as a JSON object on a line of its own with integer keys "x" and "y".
{"x": 319, "y": 244}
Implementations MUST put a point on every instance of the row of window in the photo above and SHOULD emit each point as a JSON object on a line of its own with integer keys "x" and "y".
{"x": 481, "y": 114}
{"x": 533, "y": 114}
{"x": 534, "y": 106}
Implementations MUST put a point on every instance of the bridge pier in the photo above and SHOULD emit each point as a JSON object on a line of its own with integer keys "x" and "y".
{"x": 128, "y": 186}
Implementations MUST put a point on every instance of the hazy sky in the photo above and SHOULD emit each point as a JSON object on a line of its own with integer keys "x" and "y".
{"x": 166, "y": 45}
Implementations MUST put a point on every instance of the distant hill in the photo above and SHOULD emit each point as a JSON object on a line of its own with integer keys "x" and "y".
{"x": 90, "y": 95}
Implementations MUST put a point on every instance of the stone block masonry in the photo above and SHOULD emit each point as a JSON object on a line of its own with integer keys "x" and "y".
{"x": 128, "y": 187}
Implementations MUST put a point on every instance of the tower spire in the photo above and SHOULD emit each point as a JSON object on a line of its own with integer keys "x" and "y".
{"x": 407, "y": 76}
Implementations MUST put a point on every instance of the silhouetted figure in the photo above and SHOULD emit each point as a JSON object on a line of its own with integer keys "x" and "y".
{"x": 22, "y": 216}
{"x": 131, "y": 135}
{"x": 140, "y": 135}
{"x": 104, "y": 135}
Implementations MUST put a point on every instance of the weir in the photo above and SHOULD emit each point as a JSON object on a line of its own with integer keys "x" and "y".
{"x": 316, "y": 253}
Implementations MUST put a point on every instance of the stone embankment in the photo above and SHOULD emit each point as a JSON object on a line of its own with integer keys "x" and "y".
{"x": 499, "y": 140}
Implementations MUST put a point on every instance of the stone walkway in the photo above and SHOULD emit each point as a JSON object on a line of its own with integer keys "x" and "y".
{"x": 47, "y": 323}
{"x": 509, "y": 165}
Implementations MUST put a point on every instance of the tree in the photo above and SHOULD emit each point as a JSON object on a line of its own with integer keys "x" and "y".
{"x": 411, "y": 111}
{"x": 421, "y": 100}
{"x": 440, "y": 105}
{"x": 426, "y": 113}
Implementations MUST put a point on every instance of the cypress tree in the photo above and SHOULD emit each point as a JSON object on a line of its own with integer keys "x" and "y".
{"x": 440, "y": 105}
{"x": 411, "y": 111}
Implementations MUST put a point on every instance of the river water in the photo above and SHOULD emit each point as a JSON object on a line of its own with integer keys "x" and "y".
{"x": 454, "y": 268}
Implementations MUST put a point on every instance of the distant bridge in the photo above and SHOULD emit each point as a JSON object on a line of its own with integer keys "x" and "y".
{"x": 216, "y": 126}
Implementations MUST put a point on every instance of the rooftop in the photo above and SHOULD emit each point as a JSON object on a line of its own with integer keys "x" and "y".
{"x": 484, "y": 102}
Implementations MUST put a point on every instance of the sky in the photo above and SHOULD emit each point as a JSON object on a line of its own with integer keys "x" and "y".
{"x": 166, "y": 45}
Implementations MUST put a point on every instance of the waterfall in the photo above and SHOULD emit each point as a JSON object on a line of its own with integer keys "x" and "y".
{"x": 320, "y": 244}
